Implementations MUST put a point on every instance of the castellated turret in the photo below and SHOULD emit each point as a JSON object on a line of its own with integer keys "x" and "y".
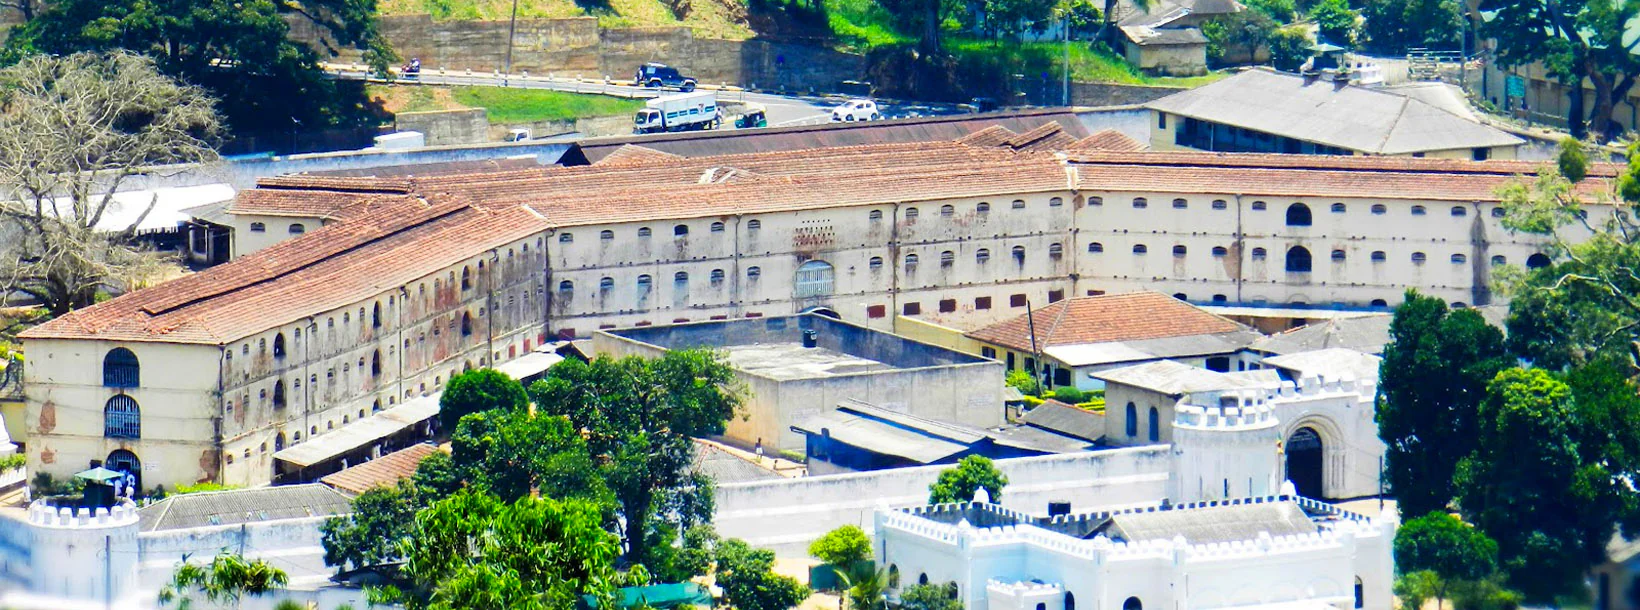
{"x": 1226, "y": 444}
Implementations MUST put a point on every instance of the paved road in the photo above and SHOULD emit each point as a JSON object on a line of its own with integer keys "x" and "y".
{"x": 782, "y": 110}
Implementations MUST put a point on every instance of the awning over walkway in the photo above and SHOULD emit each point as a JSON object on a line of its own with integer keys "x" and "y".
{"x": 529, "y": 365}
{"x": 360, "y": 433}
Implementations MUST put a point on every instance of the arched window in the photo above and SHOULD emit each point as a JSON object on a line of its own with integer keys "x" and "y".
{"x": 1019, "y": 254}
{"x": 983, "y": 208}
{"x": 1298, "y": 215}
{"x": 893, "y": 576}
{"x": 1070, "y": 601}
{"x": 279, "y": 394}
{"x": 947, "y": 258}
{"x": 680, "y": 230}
{"x": 1379, "y": 208}
{"x": 296, "y": 228}
{"x": 1418, "y": 258}
{"x": 982, "y": 256}
{"x": 1458, "y": 259}
{"x": 606, "y": 235}
{"x": 466, "y": 278}
{"x": 1180, "y": 204}
{"x": 124, "y": 461}
{"x": 814, "y": 279}
{"x": 279, "y": 345}
{"x": 1096, "y": 201}
{"x": 911, "y": 213}
{"x": 680, "y": 278}
{"x": 716, "y": 277}
{"x": 1459, "y": 210}
{"x": 1132, "y": 420}
{"x": 1499, "y": 212}
{"x": 122, "y": 418}
{"x": 466, "y": 324}
{"x": 376, "y": 363}
{"x": 1095, "y": 247}
{"x": 566, "y": 238}
{"x": 948, "y": 210}
{"x": 1537, "y": 261}
{"x": 1338, "y": 256}
{"x": 1018, "y": 204}
{"x": 753, "y": 225}
{"x": 1140, "y": 203}
{"x": 753, "y": 273}
{"x": 1258, "y": 206}
{"x": 1155, "y": 425}
{"x": 922, "y": 579}
{"x": 1132, "y": 603}
{"x": 644, "y": 232}
{"x": 607, "y": 283}
{"x": 875, "y": 215}
{"x": 910, "y": 261}
{"x": 375, "y": 316}
{"x": 279, "y": 442}
{"x": 1218, "y": 204}
{"x": 257, "y": 227}
{"x": 1419, "y": 210}
{"x": 717, "y": 227}
{"x": 875, "y": 263}
{"x": 120, "y": 369}
{"x": 1378, "y": 256}
{"x": 1338, "y": 208}
{"x": 1379, "y": 303}
{"x": 1360, "y": 593}
{"x": 1259, "y": 253}
{"x": 1056, "y": 202}
{"x": 1219, "y": 298}
{"x": 1298, "y": 260}
{"x": 1220, "y": 251}
{"x": 1180, "y": 250}
{"x": 1499, "y": 261}
{"x": 1140, "y": 249}
{"x": 1055, "y": 251}
{"x": 644, "y": 283}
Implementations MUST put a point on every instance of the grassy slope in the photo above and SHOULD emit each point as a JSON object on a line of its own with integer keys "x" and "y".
{"x": 710, "y": 18}
{"x": 502, "y": 105}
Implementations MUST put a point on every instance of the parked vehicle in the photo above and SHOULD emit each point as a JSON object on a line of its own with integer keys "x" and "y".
{"x": 755, "y": 116}
{"x": 856, "y": 110}
{"x": 517, "y": 135}
{"x": 681, "y": 112}
{"x": 660, "y": 76}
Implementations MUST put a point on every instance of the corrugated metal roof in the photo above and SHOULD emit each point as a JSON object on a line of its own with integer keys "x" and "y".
{"x": 880, "y": 437}
{"x": 724, "y": 467}
{"x": 1090, "y": 354}
{"x": 1038, "y": 439}
{"x": 1332, "y": 363}
{"x": 360, "y": 433}
{"x": 1173, "y": 378}
{"x": 238, "y": 506}
{"x": 1363, "y": 333}
{"x": 1334, "y": 114}
{"x": 1212, "y": 524}
{"x": 800, "y": 137}
{"x": 1067, "y": 420}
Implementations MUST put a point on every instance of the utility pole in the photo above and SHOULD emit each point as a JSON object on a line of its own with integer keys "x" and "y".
{"x": 1030, "y": 321}
{"x": 512, "y": 25}
{"x": 1065, "y": 26}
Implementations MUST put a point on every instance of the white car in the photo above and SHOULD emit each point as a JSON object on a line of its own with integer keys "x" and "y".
{"x": 856, "y": 110}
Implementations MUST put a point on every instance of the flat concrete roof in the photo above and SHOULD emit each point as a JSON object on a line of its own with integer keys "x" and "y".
{"x": 786, "y": 361}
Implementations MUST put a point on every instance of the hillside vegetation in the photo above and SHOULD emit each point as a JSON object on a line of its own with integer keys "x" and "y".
{"x": 502, "y": 106}
{"x": 725, "y": 19}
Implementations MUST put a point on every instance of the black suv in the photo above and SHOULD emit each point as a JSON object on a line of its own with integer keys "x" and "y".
{"x": 656, "y": 76}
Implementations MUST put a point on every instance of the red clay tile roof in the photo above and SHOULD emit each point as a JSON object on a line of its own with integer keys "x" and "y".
{"x": 633, "y": 153}
{"x": 1108, "y": 140}
{"x": 1135, "y": 316}
{"x": 384, "y": 471}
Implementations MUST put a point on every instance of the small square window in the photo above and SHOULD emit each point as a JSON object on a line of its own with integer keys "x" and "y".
{"x": 982, "y": 303}
{"x": 876, "y": 311}
{"x": 948, "y": 305}
{"x": 912, "y": 309}
{"x": 1017, "y": 300}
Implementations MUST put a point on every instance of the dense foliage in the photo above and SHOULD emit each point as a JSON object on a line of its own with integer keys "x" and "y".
{"x": 1578, "y": 43}
{"x": 961, "y": 483}
{"x": 842, "y": 546}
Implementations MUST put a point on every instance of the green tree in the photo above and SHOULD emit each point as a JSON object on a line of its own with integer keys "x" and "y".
{"x": 1280, "y": 11}
{"x": 930, "y": 597}
{"x": 226, "y": 580}
{"x": 240, "y": 51}
{"x": 747, "y": 578}
{"x": 639, "y": 417}
{"x": 1432, "y": 381}
{"x": 476, "y": 392}
{"x": 471, "y": 551}
{"x": 1335, "y": 22}
{"x": 1392, "y": 26}
{"x": 370, "y": 534}
{"x": 1443, "y": 550}
{"x": 1237, "y": 34}
{"x": 73, "y": 130}
{"x": 1574, "y": 41}
{"x": 1289, "y": 48}
{"x": 1526, "y": 469}
{"x": 959, "y": 484}
{"x": 513, "y": 452}
{"x": 842, "y": 547}
{"x": 1024, "y": 382}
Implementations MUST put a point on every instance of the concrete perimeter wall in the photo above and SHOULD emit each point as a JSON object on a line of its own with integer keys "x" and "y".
{"x": 786, "y": 515}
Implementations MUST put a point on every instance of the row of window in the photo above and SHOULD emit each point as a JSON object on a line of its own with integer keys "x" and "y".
{"x": 1298, "y": 214}
{"x": 983, "y": 207}
{"x": 682, "y": 230}
{"x": 1378, "y": 256}
{"x": 295, "y": 228}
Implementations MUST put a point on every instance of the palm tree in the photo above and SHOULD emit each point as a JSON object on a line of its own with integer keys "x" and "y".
{"x": 228, "y": 578}
{"x": 865, "y": 591}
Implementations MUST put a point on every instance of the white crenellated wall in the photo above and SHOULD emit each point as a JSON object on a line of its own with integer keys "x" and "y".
{"x": 98, "y": 548}
{"x": 1172, "y": 574}
{"x": 1222, "y": 452}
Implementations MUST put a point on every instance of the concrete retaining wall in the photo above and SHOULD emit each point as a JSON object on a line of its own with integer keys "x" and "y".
{"x": 447, "y": 127}
{"x": 786, "y": 515}
{"x": 1113, "y": 94}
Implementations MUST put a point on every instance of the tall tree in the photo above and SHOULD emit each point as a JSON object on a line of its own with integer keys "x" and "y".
{"x": 1574, "y": 41}
{"x": 1528, "y": 486}
{"x": 972, "y": 474}
{"x": 640, "y": 418}
{"x": 1335, "y": 22}
{"x": 1231, "y": 35}
{"x": 374, "y": 531}
{"x": 1445, "y": 548}
{"x": 476, "y": 392}
{"x": 241, "y": 51}
{"x": 748, "y": 579}
{"x": 226, "y": 580}
{"x": 511, "y": 453}
{"x": 1432, "y": 381}
{"x": 1393, "y": 26}
{"x": 73, "y": 130}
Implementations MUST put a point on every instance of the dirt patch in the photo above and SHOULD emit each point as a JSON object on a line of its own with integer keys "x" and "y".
{"x": 414, "y": 98}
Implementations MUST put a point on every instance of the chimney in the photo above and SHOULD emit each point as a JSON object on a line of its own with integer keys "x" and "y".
{"x": 811, "y": 339}
{"x": 1058, "y": 507}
